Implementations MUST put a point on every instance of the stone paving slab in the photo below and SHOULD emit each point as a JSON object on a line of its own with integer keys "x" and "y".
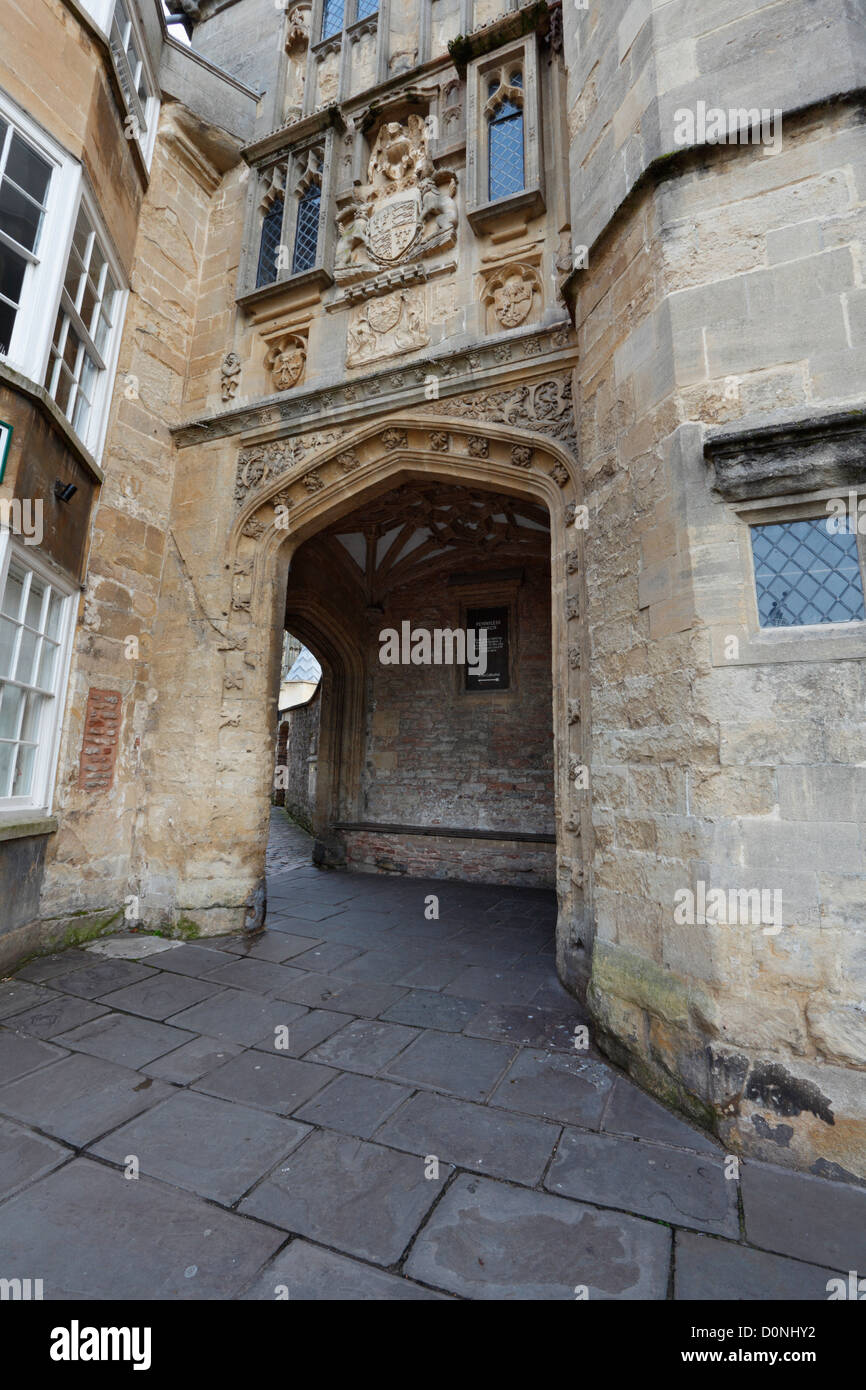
{"x": 25, "y": 1156}
{"x": 488, "y": 1240}
{"x": 56, "y": 1016}
{"x": 424, "y": 1008}
{"x": 811, "y": 1218}
{"x": 15, "y": 997}
{"x": 273, "y": 1083}
{"x": 472, "y": 1136}
{"x": 205, "y": 1145}
{"x": 524, "y": 1025}
{"x": 710, "y": 1270}
{"x": 326, "y": 956}
{"x": 91, "y": 1233}
{"x": 304, "y": 1033}
{"x": 361, "y": 1198}
{"x": 237, "y": 1016}
{"x": 632, "y": 1111}
{"x": 93, "y": 980}
{"x": 46, "y": 967}
{"x": 354, "y": 1104}
{"x": 460, "y": 1066}
{"x": 652, "y": 1180}
{"x": 573, "y": 1090}
{"x": 20, "y": 1054}
{"x": 197, "y": 961}
{"x": 122, "y": 1038}
{"x": 308, "y": 1273}
{"x": 364, "y": 1045}
{"x": 156, "y": 998}
{"x": 79, "y": 1098}
{"x": 273, "y": 946}
{"x": 258, "y": 976}
{"x": 192, "y": 1060}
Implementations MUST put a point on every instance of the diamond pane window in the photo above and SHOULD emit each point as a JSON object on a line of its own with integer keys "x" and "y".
{"x": 805, "y": 573}
{"x": 307, "y": 233}
{"x": 367, "y": 7}
{"x": 332, "y": 17}
{"x": 506, "y": 146}
{"x": 272, "y": 230}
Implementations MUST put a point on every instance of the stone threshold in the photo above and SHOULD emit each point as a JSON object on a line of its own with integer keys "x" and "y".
{"x": 441, "y": 832}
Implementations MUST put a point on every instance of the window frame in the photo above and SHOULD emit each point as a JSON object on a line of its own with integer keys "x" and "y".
{"x": 96, "y": 428}
{"x": 28, "y": 346}
{"x": 40, "y": 799}
{"x": 481, "y": 210}
{"x": 291, "y": 168}
{"x": 149, "y": 115}
{"x": 811, "y": 513}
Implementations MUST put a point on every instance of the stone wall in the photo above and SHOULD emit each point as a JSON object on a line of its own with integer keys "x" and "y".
{"x": 723, "y": 292}
{"x": 439, "y": 756}
{"x": 301, "y": 751}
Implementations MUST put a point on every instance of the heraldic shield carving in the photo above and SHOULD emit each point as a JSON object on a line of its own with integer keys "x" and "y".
{"x": 406, "y": 209}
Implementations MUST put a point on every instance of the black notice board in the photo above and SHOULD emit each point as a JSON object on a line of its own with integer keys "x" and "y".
{"x": 494, "y": 621}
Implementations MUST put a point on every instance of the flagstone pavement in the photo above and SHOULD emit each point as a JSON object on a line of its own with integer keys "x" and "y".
{"x": 365, "y": 1103}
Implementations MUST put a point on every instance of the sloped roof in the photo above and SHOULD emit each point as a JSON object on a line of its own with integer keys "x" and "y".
{"x": 305, "y": 668}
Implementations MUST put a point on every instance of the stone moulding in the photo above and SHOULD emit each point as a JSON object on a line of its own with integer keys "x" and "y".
{"x": 470, "y": 369}
{"x": 502, "y": 30}
{"x": 767, "y": 460}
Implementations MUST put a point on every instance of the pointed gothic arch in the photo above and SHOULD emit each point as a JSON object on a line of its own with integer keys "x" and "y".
{"x": 374, "y": 458}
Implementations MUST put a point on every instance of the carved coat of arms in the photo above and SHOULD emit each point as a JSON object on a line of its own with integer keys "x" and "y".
{"x": 393, "y": 226}
{"x": 513, "y": 301}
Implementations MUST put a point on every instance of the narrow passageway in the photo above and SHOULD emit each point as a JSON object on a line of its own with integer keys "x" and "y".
{"x": 385, "y": 1095}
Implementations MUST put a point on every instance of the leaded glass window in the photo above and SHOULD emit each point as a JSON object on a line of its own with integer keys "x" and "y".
{"x": 505, "y": 145}
{"x": 307, "y": 231}
{"x": 806, "y": 573}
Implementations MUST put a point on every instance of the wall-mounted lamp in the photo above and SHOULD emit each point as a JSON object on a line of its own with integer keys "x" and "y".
{"x": 64, "y": 492}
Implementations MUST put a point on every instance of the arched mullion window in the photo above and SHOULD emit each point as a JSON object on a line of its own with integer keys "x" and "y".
{"x": 307, "y": 229}
{"x": 505, "y": 139}
{"x": 269, "y": 246}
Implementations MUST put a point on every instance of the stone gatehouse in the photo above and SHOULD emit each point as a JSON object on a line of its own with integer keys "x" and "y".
{"x": 345, "y": 315}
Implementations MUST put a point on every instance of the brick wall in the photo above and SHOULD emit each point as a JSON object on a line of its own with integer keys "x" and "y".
{"x": 437, "y": 756}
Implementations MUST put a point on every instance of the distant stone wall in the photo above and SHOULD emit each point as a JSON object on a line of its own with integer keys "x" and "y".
{"x": 510, "y": 863}
{"x": 297, "y": 750}
{"x": 437, "y": 755}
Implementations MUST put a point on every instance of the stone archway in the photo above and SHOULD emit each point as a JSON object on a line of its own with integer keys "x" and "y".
{"x": 372, "y": 459}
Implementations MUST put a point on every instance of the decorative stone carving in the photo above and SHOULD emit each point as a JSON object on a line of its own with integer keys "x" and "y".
{"x": 521, "y": 455}
{"x": 559, "y": 474}
{"x": 260, "y": 464}
{"x": 348, "y": 461}
{"x": 329, "y": 75}
{"x": 313, "y": 481}
{"x": 543, "y": 408}
{"x": 254, "y": 529}
{"x": 286, "y": 361}
{"x": 572, "y": 562}
{"x": 384, "y": 327}
{"x": 572, "y": 608}
{"x": 230, "y": 376}
{"x": 478, "y": 446}
{"x": 440, "y": 440}
{"x": 574, "y": 658}
{"x": 297, "y": 44}
{"x": 394, "y": 439}
{"x": 406, "y": 209}
{"x": 512, "y": 294}
{"x": 574, "y": 711}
